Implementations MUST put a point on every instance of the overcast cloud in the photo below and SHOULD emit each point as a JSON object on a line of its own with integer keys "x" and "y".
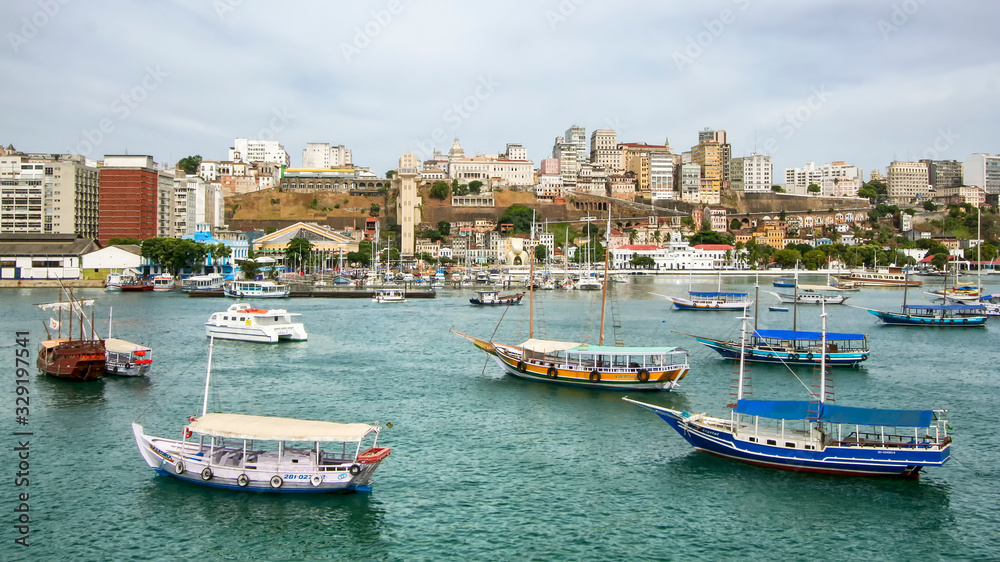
{"x": 861, "y": 81}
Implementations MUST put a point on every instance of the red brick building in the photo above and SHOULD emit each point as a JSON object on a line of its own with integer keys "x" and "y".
{"x": 128, "y": 198}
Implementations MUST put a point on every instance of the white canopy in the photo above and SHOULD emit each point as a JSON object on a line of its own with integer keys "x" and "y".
{"x": 548, "y": 346}
{"x": 268, "y": 428}
{"x": 819, "y": 288}
{"x": 66, "y": 305}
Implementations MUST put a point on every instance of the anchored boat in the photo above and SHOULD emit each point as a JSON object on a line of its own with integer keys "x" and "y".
{"x": 245, "y": 323}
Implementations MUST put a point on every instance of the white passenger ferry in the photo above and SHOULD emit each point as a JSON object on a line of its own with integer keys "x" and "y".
{"x": 257, "y": 289}
{"x": 879, "y": 277}
{"x": 203, "y": 282}
{"x": 163, "y": 282}
{"x": 244, "y": 323}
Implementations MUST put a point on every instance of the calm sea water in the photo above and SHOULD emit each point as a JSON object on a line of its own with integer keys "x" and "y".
{"x": 486, "y": 466}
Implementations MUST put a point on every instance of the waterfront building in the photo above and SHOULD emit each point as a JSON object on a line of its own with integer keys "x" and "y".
{"x": 751, "y": 174}
{"x": 48, "y": 194}
{"x": 128, "y": 197}
{"x": 982, "y": 170}
{"x": 407, "y": 201}
{"x": 249, "y": 150}
{"x": 321, "y": 155}
{"x": 676, "y": 256}
{"x": 43, "y": 256}
{"x": 943, "y": 173}
{"x": 908, "y": 183}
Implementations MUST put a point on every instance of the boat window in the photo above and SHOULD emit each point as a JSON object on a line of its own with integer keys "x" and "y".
{"x": 789, "y": 444}
{"x": 753, "y": 439}
{"x": 620, "y": 361}
{"x": 772, "y": 442}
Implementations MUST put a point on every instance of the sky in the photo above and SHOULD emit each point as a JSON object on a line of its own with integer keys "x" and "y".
{"x": 866, "y": 82}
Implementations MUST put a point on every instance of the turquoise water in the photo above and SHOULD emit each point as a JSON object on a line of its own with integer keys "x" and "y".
{"x": 486, "y": 466}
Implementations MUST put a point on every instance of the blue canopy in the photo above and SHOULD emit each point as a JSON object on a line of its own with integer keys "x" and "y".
{"x": 703, "y": 294}
{"x": 945, "y": 306}
{"x": 803, "y": 410}
{"x": 810, "y": 336}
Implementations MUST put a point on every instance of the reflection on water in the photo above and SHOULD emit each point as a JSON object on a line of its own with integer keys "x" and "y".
{"x": 69, "y": 395}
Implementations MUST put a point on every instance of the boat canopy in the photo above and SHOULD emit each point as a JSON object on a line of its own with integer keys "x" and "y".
{"x": 810, "y": 336}
{"x": 804, "y": 410}
{"x": 269, "y": 428}
{"x": 944, "y": 306}
{"x": 820, "y": 288}
{"x": 715, "y": 294}
{"x": 549, "y": 346}
{"x": 66, "y": 305}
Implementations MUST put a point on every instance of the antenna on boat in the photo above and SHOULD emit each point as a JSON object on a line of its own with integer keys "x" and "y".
{"x": 208, "y": 374}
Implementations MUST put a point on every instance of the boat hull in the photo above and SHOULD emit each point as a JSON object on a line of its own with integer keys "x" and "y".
{"x": 732, "y": 350}
{"x": 846, "y": 460}
{"x": 181, "y": 460}
{"x": 74, "y": 360}
{"x": 293, "y": 332}
{"x": 898, "y": 319}
{"x": 685, "y": 304}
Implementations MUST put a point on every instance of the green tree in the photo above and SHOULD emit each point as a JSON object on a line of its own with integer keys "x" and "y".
{"x": 440, "y": 190}
{"x": 175, "y": 254}
{"x": 189, "y": 164}
{"x": 374, "y": 210}
{"x": 541, "y": 252}
{"x": 475, "y": 186}
{"x": 298, "y": 252}
{"x": 444, "y": 227}
{"x": 249, "y": 267}
{"x": 930, "y": 206}
{"x": 710, "y": 237}
{"x": 868, "y": 192}
{"x": 520, "y": 216}
{"x": 813, "y": 188}
{"x": 735, "y": 224}
{"x": 777, "y": 189}
{"x": 814, "y": 259}
{"x": 124, "y": 241}
{"x": 642, "y": 262}
{"x": 787, "y": 258}
{"x": 390, "y": 174}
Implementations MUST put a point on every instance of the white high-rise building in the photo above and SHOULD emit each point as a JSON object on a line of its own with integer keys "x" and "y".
{"x": 604, "y": 150}
{"x": 690, "y": 182}
{"x": 48, "y": 194}
{"x": 982, "y": 170}
{"x": 837, "y": 179}
{"x": 661, "y": 176}
{"x": 751, "y": 174}
{"x": 908, "y": 182}
{"x": 576, "y": 136}
{"x": 247, "y": 151}
{"x": 323, "y": 156}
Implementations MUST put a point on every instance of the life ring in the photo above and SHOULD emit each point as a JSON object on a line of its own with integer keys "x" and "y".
{"x": 595, "y": 376}
{"x": 828, "y": 358}
{"x": 552, "y": 373}
{"x": 354, "y": 470}
{"x": 643, "y": 375}
{"x": 316, "y": 480}
{"x": 179, "y": 467}
{"x": 206, "y": 474}
{"x": 809, "y": 356}
{"x": 242, "y": 480}
{"x": 520, "y": 366}
{"x": 716, "y": 305}
{"x": 276, "y": 481}
{"x": 793, "y": 357}
{"x": 187, "y": 433}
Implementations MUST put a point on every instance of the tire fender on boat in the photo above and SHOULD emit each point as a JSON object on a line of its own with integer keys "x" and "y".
{"x": 316, "y": 480}
{"x": 552, "y": 373}
{"x": 206, "y": 474}
{"x": 520, "y": 366}
{"x": 276, "y": 481}
{"x": 642, "y": 375}
{"x": 242, "y": 480}
{"x": 179, "y": 467}
{"x": 595, "y": 376}
{"x": 809, "y": 356}
{"x": 354, "y": 470}
{"x": 793, "y": 357}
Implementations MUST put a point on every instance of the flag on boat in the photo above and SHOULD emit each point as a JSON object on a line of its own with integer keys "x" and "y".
{"x": 53, "y": 323}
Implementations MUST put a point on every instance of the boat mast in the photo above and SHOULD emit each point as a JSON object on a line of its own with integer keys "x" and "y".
{"x": 822, "y": 360}
{"x": 743, "y": 355}
{"x": 111, "y": 316}
{"x": 531, "y": 296}
{"x": 756, "y": 300}
{"x": 208, "y": 374}
{"x": 979, "y": 252}
{"x": 604, "y": 286}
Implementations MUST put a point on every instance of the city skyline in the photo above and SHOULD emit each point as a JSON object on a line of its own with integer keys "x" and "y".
{"x": 865, "y": 83}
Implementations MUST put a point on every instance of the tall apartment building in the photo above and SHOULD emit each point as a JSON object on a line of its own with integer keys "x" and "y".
{"x": 569, "y": 164}
{"x": 943, "y": 174}
{"x": 182, "y": 202}
{"x": 982, "y": 170}
{"x": 128, "y": 197}
{"x": 836, "y": 179}
{"x": 407, "y": 202}
{"x": 323, "y": 156}
{"x": 604, "y": 150}
{"x": 249, "y": 150}
{"x": 751, "y": 174}
{"x": 689, "y": 182}
{"x": 708, "y": 154}
{"x": 908, "y": 182}
{"x": 725, "y": 151}
{"x": 48, "y": 194}
{"x": 576, "y": 136}
{"x": 638, "y": 158}
{"x": 165, "y": 204}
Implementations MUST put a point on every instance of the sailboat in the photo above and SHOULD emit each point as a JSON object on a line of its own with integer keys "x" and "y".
{"x": 945, "y": 315}
{"x": 711, "y": 300}
{"x": 228, "y": 451}
{"x": 657, "y": 368}
{"x": 814, "y": 435}
{"x": 81, "y": 359}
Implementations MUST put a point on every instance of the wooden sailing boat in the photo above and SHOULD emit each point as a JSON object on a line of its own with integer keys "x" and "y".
{"x": 657, "y": 368}
{"x": 80, "y": 359}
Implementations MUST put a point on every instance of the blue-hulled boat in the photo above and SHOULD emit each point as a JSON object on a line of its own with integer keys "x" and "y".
{"x": 950, "y": 315}
{"x": 794, "y": 347}
{"x": 715, "y": 300}
{"x": 814, "y": 436}
{"x": 784, "y": 282}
